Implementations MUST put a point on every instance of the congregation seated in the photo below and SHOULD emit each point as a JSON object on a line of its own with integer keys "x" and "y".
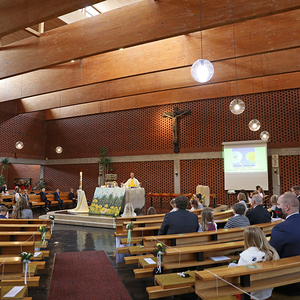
{"x": 173, "y": 205}
{"x": 194, "y": 205}
{"x": 21, "y": 210}
{"x": 128, "y": 211}
{"x": 238, "y": 220}
{"x": 72, "y": 197}
{"x": 58, "y": 199}
{"x": 25, "y": 194}
{"x": 151, "y": 211}
{"x": 241, "y": 197}
{"x": 3, "y": 212}
{"x": 273, "y": 202}
{"x": 207, "y": 220}
{"x": 198, "y": 198}
{"x": 258, "y": 214}
{"x": 285, "y": 236}
{"x": 44, "y": 199}
{"x": 257, "y": 249}
{"x": 180, "y": 221}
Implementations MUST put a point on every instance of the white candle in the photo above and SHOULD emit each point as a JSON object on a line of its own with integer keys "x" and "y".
{"x": 80, "y": 181}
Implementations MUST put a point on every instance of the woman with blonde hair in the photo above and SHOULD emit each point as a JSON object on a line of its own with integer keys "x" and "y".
{"x": 257, "y": 249}
{"x": 128, "y": 211}
{"x": 273, "y": 202}
{"x": 21, "y": 210}
{"x": 241, "y": 197}
{"x": 207, "y": 220}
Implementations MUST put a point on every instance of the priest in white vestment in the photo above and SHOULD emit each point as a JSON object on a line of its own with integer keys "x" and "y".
{"x": 132, "y": 182}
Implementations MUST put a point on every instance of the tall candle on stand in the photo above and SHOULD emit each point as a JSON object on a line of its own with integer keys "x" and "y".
{"x": 80, "y": 182}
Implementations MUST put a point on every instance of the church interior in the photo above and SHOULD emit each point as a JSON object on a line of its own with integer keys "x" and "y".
{"x": 78, "y": 76}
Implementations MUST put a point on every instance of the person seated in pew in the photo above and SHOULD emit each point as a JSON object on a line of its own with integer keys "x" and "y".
{"x": 4, "y": 189}
{"x": 44, "y": 199}
{"x": 273, "y": 202}
{"x": 3, "y": 212}
{"x": 257, "y": 249}
{"x": 57, "y": 198}
{"x": 72, "y": 197}
{"x": 25, "y": 194}
{"x": 128, "y": 211}
{"x": 151, "y": 211}
{"x": 180, "y": 221}
{"x": 15, "y": 191}
{"x": 17, "y": 194}
{"x": 21, "y": 210}
{"x": 242, "y": 199}
{"x": 238, "y": 220}
{"x": 258, "y": 214}
{"x": 198, "y": 198}
{"x": 207, "y": 220}
{"x": 194, "y": 205}
{"x": 285, "y": 236}
{"x": 173, "y": 205}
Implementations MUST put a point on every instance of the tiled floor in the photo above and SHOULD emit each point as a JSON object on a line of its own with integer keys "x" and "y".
{"x": 66, "y": 238}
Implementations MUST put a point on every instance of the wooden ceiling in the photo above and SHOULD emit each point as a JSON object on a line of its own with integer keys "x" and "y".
{"x": 253, "y": 45}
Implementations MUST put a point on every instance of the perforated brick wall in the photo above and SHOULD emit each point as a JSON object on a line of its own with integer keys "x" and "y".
{"x": 154, "y": 176}
{"x": 28, "y": 128}
{"x": 145, "y": 131}
{"x": 289, "y": 172}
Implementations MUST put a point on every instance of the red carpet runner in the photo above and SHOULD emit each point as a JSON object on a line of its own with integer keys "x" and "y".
{"x": 85, "y": 275}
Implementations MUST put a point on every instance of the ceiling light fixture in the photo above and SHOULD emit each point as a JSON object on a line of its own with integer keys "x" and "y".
{"x": 19, "y": 145}
{"x": 264, "y": 135}
{"x": 202, "y": 70}
{"x": 254, "y": 125}
{"x": 58, "y": 149}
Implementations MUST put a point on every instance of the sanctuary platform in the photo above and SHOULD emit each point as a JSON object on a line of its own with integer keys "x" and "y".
{"x": 80, "y": 219}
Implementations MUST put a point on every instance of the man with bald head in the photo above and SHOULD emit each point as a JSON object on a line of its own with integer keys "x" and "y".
{"x": 285, "y": 237}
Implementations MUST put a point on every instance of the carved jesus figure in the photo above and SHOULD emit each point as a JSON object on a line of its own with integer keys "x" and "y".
{"x": 174, "y": 115}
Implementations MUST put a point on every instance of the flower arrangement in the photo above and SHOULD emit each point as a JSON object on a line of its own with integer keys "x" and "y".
{"x": 203, "y": 198}
{"x": 43, "y": 230}
{"x": 184, "y": 274}
{"x": 159, "y": 247}
{"x": 52, "y": 223}
{"x": 129, "y": 226}
{"x": 26, "y": 257}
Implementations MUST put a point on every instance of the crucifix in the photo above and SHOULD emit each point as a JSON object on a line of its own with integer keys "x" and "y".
{"x": 174, "y": 115}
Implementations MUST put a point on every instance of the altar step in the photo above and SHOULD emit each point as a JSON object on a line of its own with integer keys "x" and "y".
{"x": 63, "y": 217}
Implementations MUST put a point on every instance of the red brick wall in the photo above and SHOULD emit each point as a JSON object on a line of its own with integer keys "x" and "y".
{"x": 289, "y": 172}
{"x": 23, "y": 171}
{"x": 145, "y": 131}
{"x": 29, "y": 128}
{"x": 154, "y": 176}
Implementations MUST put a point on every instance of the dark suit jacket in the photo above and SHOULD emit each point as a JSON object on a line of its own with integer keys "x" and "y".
{"x": 43, "y": 195}
{"x": 180, "y": 221}
{"x": 258, "y": 215}
{"x": 56, "y": 196}
{"x": 285, "y": 238}
{"x": 71, "y": 196}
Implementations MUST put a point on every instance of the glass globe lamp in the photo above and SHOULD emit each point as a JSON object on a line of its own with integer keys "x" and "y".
{"x": 58, "y": 149}
{"x": 202, "y": 70}
{"x": 19, "y": 145}
{"x": 237, "y": 106}
{"x": 254, "y": 125}
{"x": 264, "y": 135}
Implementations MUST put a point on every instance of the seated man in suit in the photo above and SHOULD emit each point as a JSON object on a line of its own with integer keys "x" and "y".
{"x": 57, "y": 198}
{"x": 238, "y": 220}
{"x": 258, "y": 214}
{"x": 285, "y": 237}
{"x": 44, "y": 199}
{"x": 180, "y": 221}
{"x": 72, "y": 197}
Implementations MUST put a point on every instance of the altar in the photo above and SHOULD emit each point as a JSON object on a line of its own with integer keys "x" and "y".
{"x": 110, "y": 201}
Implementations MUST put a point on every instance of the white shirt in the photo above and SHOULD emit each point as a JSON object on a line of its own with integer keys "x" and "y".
{"x": 253, "y": 255}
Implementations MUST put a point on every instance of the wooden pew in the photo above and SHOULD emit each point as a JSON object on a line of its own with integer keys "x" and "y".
{"x": 38, "y": 222}
{"x": 20, "y": 227}
{"x": 263, "y": 275}
{"x": 19, "y": 236}
{"x": 151, "y": 227}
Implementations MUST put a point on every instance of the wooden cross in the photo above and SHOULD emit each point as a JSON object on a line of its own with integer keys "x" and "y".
{"x": 174, "y": 115}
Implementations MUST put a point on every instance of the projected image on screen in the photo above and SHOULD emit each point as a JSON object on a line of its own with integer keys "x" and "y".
{"x": 245, "y": 166}
{"x": 243, "y": 157}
